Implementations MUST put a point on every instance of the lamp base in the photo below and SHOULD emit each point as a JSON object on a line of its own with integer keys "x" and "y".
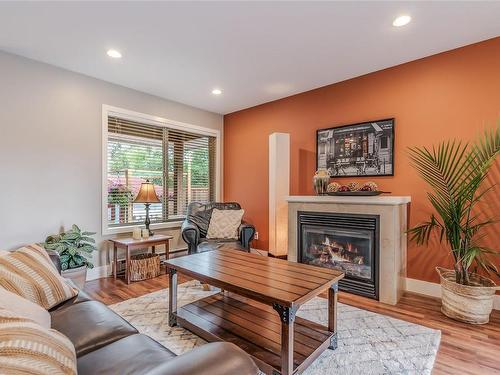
{"x": 147, "y": 222}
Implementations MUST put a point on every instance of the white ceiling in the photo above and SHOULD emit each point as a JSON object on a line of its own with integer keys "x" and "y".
{"x": 254, "y": 51}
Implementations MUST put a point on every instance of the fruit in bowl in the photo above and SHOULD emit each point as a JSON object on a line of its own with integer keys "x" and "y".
{"x": 369, "y": 186}
{"x": 333, "y": 187}
{"x": 344, "y": 188}
{"x": 353, "y": 186}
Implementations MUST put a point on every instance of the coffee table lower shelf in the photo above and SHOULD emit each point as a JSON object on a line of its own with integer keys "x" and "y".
{"x": 255, "y": 328}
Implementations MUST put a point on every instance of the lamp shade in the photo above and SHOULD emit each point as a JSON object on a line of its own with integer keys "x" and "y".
{"x": 147, "y": 194}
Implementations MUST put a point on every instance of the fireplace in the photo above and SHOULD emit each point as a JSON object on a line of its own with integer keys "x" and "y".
{"x": 346, "y": 242}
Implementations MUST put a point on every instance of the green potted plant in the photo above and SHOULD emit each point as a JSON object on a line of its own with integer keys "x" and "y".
{"x": 456, "y": 173}
{"x": 75, "y": 249}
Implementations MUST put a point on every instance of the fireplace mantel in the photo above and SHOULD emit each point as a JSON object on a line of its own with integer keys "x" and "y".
{"x": 389, "y": 200}
{"x": 393, "y": 214}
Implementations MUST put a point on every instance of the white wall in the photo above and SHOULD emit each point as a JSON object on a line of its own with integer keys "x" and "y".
{"x": 50, "y": 147}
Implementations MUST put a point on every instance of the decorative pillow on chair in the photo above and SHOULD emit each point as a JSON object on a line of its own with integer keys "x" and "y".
{"x": 225, "y": 224}
{"x": 28, "y": 348}
{"x": 29, "y": 273}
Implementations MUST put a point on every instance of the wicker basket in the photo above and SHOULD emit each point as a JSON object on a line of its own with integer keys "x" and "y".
{"x": 470, "y": 304}
{"x": 144, "y": 266}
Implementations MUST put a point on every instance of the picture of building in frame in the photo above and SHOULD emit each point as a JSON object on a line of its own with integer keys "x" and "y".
{"x": 364, "y": 149}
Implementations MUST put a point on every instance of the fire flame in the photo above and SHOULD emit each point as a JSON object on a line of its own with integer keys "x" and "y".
{"x": 336, "y": 252}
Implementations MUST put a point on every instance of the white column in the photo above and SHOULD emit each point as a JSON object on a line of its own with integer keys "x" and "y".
{"x": 279, "y": 189}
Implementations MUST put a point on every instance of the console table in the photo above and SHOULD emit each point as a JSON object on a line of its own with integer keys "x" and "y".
{"x": 129, "y": 244}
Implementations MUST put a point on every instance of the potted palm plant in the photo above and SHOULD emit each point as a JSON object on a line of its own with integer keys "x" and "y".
{"x": 456, "y": 173}
{"x": 75, "y": 249}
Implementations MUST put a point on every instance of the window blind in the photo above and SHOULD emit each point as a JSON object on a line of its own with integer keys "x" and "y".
{"x": 180, "y": 164}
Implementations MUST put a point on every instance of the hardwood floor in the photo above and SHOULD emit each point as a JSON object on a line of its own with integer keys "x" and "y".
{"x": 464, "y": 349}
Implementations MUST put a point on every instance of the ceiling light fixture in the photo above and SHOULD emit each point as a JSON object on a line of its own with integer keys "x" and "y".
{"x": 114, "y": 54}
{"x": 401, "y": 21}
{"x": 216, "y": 91}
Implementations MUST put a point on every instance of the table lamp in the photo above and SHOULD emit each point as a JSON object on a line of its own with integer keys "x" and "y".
{"x": 147, "y": 195}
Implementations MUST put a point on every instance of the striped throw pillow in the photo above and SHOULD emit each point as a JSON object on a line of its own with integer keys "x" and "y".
{"x": 28, "y": 348}
{"x": 30, "y": 273}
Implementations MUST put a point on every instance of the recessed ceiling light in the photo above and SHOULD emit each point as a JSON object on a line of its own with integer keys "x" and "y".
{"x": 216, "y": 91}
{"x": 114, "y": 53}
{"x": 401, "y": 21}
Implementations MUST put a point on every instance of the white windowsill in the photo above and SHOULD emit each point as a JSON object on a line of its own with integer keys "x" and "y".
{"x": 129, "y": 228}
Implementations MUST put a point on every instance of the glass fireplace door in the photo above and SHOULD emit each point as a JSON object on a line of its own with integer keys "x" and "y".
{"x": 345, "y": 242}
{"x": 346, "y": 250}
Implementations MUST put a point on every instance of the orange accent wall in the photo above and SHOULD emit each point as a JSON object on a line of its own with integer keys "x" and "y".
{"x": 455, "y": 94}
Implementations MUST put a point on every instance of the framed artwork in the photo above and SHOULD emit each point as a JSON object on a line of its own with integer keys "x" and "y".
{"x": 364, "y": 149}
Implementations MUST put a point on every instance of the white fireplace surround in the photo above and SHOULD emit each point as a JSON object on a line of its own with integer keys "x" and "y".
{"x": 392, "y": 210}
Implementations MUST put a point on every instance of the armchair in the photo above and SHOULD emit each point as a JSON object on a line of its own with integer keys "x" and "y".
{"x": 194, "y": 228}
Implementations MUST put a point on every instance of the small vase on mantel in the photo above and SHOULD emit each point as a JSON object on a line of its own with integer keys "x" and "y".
{"x": 320, "y": 181}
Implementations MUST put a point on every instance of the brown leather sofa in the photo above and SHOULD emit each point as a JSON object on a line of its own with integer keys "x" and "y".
{"x": 107, "y": 344}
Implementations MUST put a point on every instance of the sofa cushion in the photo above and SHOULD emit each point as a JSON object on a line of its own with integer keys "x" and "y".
{"x": 221, "y": 358}
{"x": 28, "y": 348}
{"x": 136, "y": 354}
{"x": 90, "y": 325}
{"x": 24, "y": 308}
{"x": 30, "y": 273}
{"x": 81, "y": 297}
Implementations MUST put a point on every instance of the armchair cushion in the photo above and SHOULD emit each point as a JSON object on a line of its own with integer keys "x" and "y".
{"x": 200, "y": 214}
{"x": 210, "y": 245}
{"x": 225, "y": 224}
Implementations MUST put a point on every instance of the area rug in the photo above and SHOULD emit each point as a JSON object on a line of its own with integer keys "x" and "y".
{"x": 368, "y": 343}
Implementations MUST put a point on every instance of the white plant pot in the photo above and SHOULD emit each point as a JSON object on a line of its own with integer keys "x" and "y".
{"x": 469, "y": 304}
{"x": 77, "y": 275}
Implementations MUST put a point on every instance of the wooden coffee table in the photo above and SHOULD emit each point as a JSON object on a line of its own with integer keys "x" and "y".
{"x": 257, "y": 287}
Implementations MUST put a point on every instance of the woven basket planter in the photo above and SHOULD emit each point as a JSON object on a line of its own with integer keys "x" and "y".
{"x": 470, "y": 304}
{"x": 144, "y": 266}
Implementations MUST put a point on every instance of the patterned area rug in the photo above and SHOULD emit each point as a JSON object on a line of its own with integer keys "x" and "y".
{"x": 368, "y": 343}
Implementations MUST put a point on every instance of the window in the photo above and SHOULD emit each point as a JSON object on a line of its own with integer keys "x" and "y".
{"x": 384, "y": 142}
{"x": 178, "y": 160}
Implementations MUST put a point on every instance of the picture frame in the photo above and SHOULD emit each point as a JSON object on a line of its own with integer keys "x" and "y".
{"x": 357, "y": 150}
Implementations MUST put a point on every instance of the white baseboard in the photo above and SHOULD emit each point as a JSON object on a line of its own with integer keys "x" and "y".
{"x": 434, "y": 290}
{"x": 98, "y": 272}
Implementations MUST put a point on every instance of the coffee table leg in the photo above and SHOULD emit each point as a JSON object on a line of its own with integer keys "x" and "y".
{"x": 115, "y": 261}
{"x": 287, "y": 317}
{"x": 172, "y": 297}
{"x": 127, "y": 266}
{"x": 332, "y": 314}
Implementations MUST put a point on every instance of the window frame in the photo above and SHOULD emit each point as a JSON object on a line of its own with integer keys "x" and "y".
{"x": 107, "y": 111}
